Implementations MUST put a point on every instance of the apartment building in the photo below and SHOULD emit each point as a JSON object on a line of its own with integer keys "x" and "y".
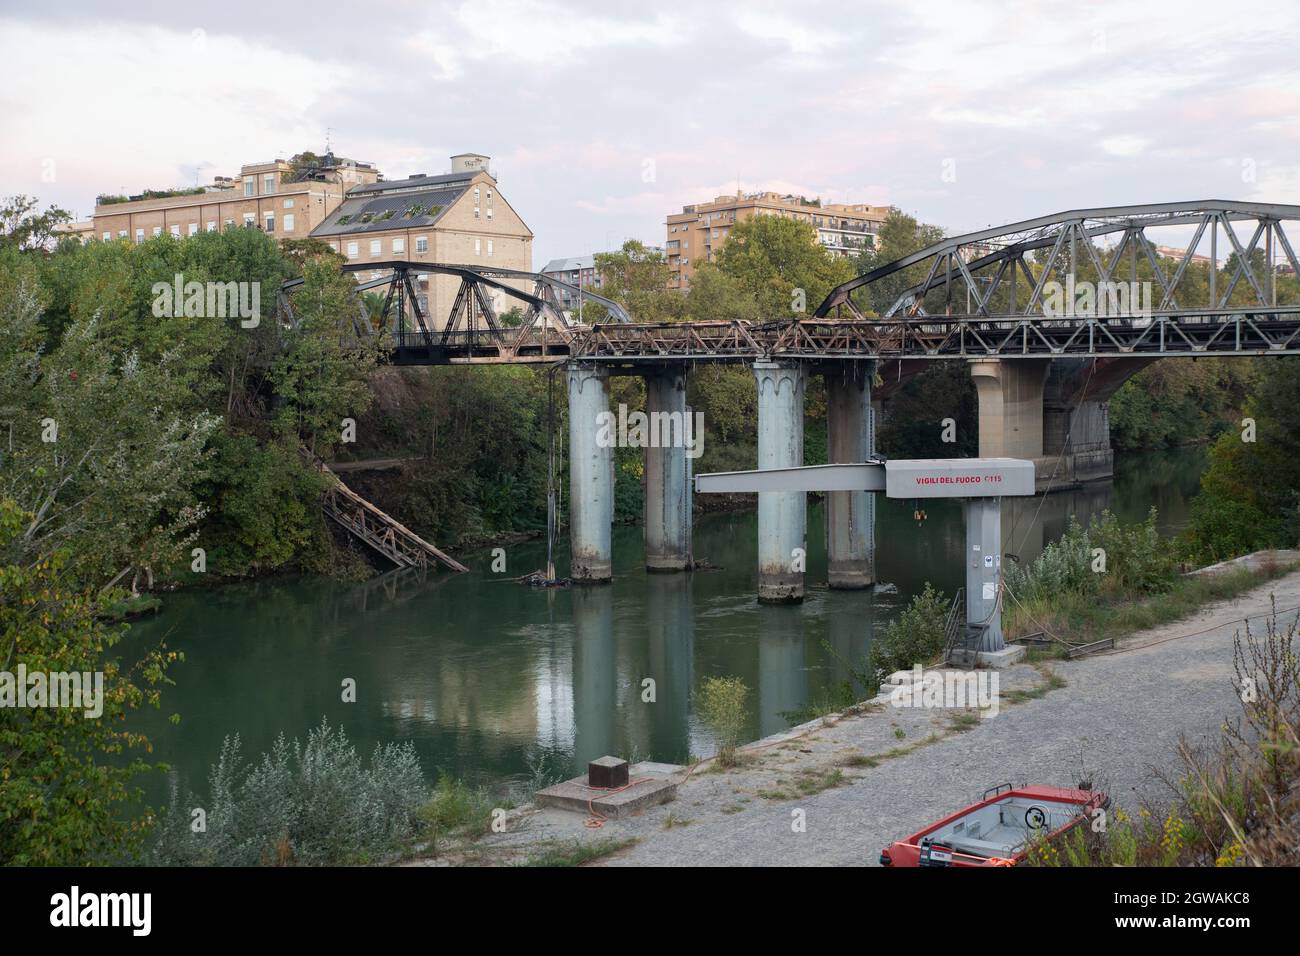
{"x": 696, "y": 233}
{"x": 575, "y": 270}
{"x": 457, "y": 218}
{"x": 284, "y": 199}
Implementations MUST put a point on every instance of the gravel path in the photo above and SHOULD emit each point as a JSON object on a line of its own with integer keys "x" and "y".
{"x": 1118, "y": 718}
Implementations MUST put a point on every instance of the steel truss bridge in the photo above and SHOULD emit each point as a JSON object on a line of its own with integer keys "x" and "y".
{"x": 993, "y": 293}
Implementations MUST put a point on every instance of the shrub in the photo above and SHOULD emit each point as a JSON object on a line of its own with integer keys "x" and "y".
{"x": 915, "y": 637}
{"x": 1137, "y": 561}
{"x": 454, "y": 807}
{"x": 722, "y": 705}
{"x": 316, "y": 803}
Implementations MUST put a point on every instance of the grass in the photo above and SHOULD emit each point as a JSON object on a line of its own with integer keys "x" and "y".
{"x": 672, "y": 822}
{"x": 1086, "y": 618}
{"x": 859, "y": 760}
{"x": 962, "y": 722}
{"x": 456, "y": 809}
{"x": 576, "y": 853}
{"x": 805, "y": 783}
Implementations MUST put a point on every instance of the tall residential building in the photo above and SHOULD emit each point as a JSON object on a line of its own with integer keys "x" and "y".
{"x": 456, "y": 218}
{"x": 284, "y": 199}
{"x": 697, "y": 232}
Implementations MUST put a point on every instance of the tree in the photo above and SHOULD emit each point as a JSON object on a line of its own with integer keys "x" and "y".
{"x": 900, "y": 235}
{"x": 106, "y": 447}
{"x": 321, "y": 374}
{"x": 637, "y": 279}
{"x": 23, "y": 228}
{"x": 65, "y": 776}
{"x": 1250, "y": 495}
{"x": 780, "y": 265}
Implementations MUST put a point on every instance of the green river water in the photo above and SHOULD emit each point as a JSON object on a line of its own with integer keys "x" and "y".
{"x": 489, "y": 678}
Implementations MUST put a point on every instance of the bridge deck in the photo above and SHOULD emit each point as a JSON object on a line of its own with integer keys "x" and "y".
{"x": 1240, "y": 331}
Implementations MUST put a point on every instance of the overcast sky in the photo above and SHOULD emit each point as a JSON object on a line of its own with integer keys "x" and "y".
{"x": 601, "y": 118}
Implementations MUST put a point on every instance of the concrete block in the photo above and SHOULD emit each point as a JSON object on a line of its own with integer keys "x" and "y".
{"x": 640, "y": 794}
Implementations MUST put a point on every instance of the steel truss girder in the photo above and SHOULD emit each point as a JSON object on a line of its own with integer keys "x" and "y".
{"x": 967, "y": 255}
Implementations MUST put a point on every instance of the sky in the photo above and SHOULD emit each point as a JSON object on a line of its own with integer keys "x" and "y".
{"x": 602, "y": 118}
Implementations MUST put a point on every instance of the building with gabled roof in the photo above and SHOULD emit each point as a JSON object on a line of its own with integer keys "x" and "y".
{"x": 458, "y": 218}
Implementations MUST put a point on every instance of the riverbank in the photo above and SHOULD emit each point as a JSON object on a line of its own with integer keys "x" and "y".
{"x": 864, "y": 778}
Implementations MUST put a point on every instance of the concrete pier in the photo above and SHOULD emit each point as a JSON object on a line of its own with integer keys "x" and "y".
{"x": 850, "y": 515}
{"x": 782, "y": 515}
{"x": 1011, "y": 406}
{"x": 667, "y": 487}
{"x": 591, "y": 474}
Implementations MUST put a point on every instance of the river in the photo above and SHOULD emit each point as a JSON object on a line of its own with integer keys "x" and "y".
{"x": 492, "y": 680}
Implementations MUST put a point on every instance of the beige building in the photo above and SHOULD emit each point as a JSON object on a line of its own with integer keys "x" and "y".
{"x": 696, "y": 233}
{"x": 459, "y": 218}
{"x": 273, "y": 196}
{"x": 456, "y": 218}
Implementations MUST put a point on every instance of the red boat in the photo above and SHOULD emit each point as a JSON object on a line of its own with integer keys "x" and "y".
{"x": 996, "y": 830}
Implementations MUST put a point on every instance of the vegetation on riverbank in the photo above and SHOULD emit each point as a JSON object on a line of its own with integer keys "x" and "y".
{"x": 1234, "y": 803}
{"x": 1109, "y": 580}
{"x": 722, "y": 703}
{"x": 1250, "y": 495}
{"x": 317, "y": 803}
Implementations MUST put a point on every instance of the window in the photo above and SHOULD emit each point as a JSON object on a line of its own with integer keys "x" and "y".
{"x": 176, "y": 230}
{"x": 157, "y": 231}
{"x": 288, "y": 222}
{"x": 489, "y": 247}
{"x": 270, "y": 222}
{"x": 229, "y": 223}
{"x": 288, "y": 204}
{"x": 212, "y": 225}
{"x": 139, "y": 235}
{"x": 375, "y": 246}
{"x": 268, "y": 183}
{"x": 478, "y": 247}
{"x": 352, "y": 250}
{"x": 249, "y": 219}
{"x": 194, "y": 229}
{"x": 399, "y": 245}
{"x": 421, "y": 244}
{"x": 108, "y": 236}
{"x": 249, "y": 185}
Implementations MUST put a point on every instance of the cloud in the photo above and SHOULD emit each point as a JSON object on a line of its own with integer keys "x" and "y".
{"x": 1040, "y": 106}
